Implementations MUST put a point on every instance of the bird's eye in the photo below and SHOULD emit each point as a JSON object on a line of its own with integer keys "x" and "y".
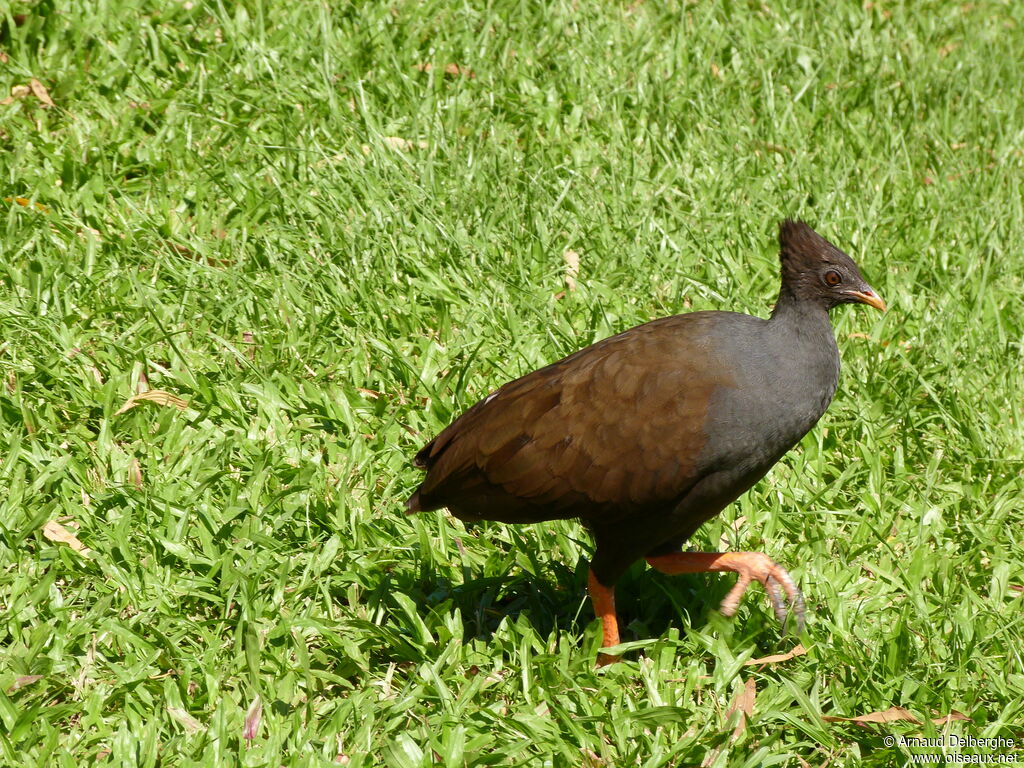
{"x": 833, "y": 278}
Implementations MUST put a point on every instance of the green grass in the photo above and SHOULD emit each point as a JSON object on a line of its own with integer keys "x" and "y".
{"x": 231, "y": 213}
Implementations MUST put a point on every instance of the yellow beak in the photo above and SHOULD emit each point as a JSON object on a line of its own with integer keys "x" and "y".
{"x": 870, "y": 298}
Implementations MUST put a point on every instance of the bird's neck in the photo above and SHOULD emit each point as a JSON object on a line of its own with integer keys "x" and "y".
{"x": 801, "y": 332}
{"x": 804, "y": 327}
{"x": 791, "y": 310}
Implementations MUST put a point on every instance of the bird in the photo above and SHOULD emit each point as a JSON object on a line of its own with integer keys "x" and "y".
{"x": 646, "y": 435}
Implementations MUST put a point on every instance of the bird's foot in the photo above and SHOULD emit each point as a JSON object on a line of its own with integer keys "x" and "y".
{"x": 750, "y": 566}
{"x": 757, "y": 566}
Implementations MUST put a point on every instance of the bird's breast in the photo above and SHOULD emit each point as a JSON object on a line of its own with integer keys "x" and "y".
{"x": 776, "y": 399}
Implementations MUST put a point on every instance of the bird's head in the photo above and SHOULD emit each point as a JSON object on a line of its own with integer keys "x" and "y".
{"x": 815, "y": 270}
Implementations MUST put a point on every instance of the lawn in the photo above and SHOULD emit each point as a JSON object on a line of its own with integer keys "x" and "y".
{"x": 316, "y": 231}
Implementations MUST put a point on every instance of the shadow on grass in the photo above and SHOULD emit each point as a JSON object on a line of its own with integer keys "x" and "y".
{"x": 435, "y": 609}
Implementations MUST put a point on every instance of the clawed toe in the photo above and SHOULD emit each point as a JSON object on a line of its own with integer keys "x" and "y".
{"x": 749, "y": 566}
{"x": 754, "y": 566}
{"x": 775, "y": 595}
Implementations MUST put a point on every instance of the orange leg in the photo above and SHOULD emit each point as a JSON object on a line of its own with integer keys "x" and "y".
{"x": 750, "y": 566}
{"x": 603, "y": 599}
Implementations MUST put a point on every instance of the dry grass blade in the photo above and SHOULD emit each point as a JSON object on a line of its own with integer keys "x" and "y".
{"x": 894, "y": 715}
{"x": 572, "y": 268}
{"x": 452, "y": 69}
{"x": 731, "y": 533}
{"x": 404, "y": 145}
{"x": 18, "y": 92}
{"x": 455, "y": 70}
{"x": 776, "y": 658}
{"x": 891, "y": 715}
{"x": 41, "y": 93}
{"x": 952, "y": 717}
{"x": 56, "y": 532}
{"x": 743, "y": 703}
{"x": 21, "y": 682}
{"x": 190, "y": 724}
{"x": 158, "y": 396}
{"x": 135, "y": 473}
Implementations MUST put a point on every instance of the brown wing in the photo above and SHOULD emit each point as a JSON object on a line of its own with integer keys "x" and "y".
{"x": 616, "y": 427}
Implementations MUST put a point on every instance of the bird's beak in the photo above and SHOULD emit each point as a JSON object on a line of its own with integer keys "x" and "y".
{"x": 869, "y": 297}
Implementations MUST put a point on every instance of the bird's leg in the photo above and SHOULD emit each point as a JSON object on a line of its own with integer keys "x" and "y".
{"x": 603, "y": 599}
{"x": 750, "y": 566}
